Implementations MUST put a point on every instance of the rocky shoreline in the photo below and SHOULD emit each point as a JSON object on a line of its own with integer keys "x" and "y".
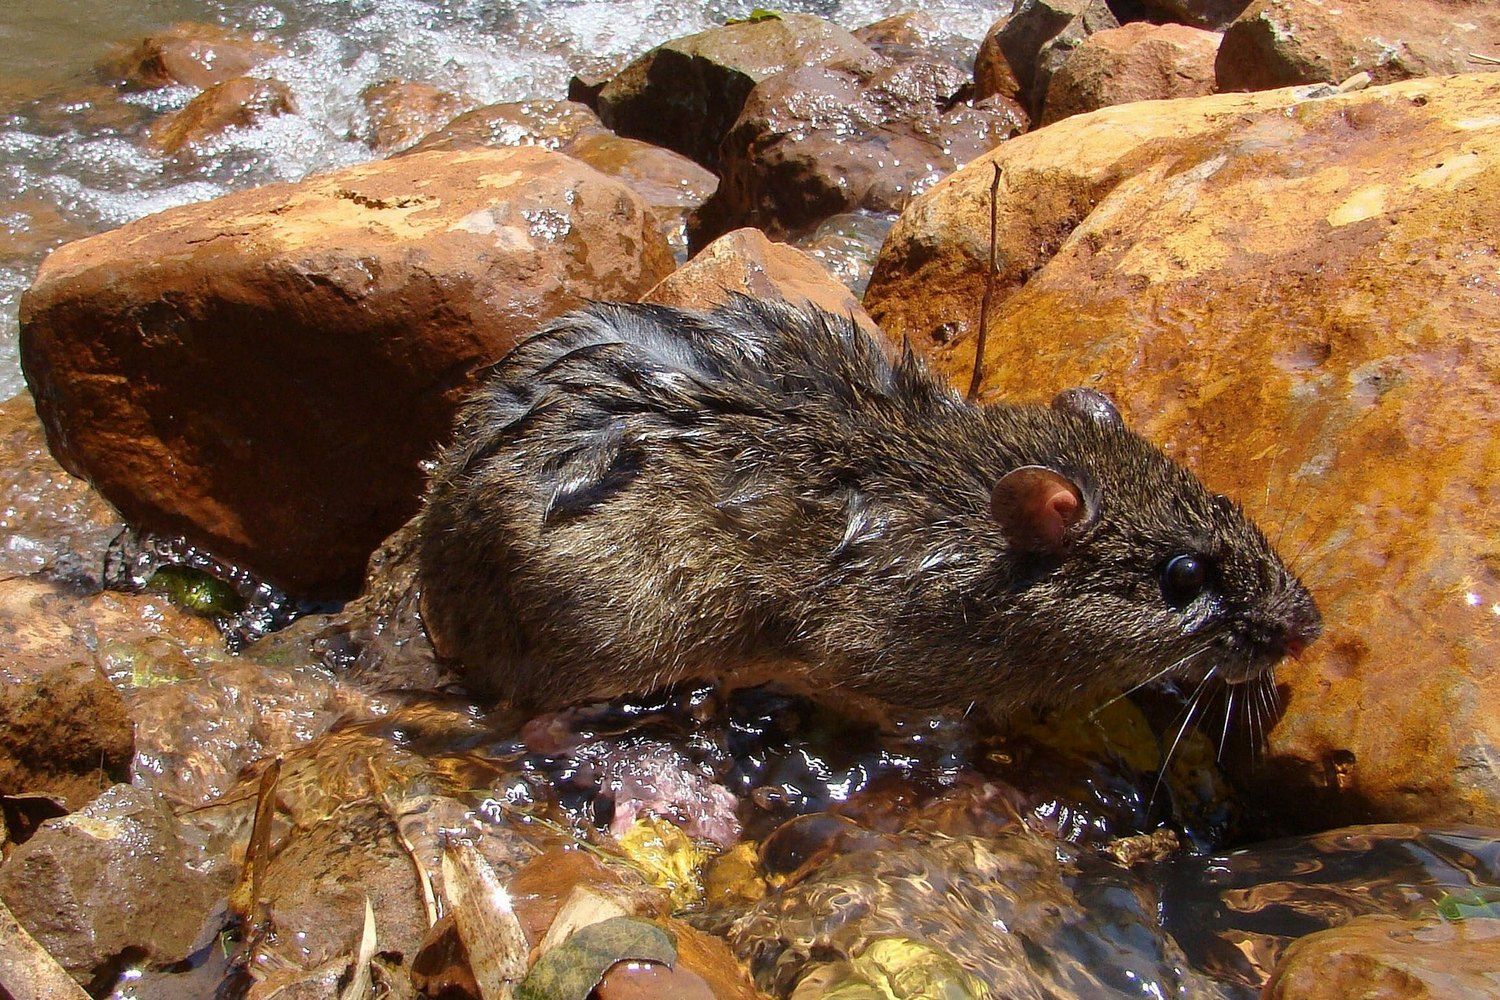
{"x": 1266, "y": 230}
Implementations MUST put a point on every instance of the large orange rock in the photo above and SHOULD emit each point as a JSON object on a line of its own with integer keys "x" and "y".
{"x": 1299, "y": 299}
{"x": 1136, "y": 62}
{"x": 1277, "y": 43}
{"x": 1378, "y": 957}
{"x": 265, "y": 372}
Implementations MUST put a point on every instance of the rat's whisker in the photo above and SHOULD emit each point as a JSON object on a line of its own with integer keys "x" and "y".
{"x": 1195, "y": 702}
{"x": 1154, "y": 677}
{"x": 1228, "y": 717}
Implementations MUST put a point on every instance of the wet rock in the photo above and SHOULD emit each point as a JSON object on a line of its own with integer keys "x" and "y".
{"x": 1294, "y": 297}
{"x": 1020, "y": 52}
{"x": 121, "y": 880}
{"x": 705, "y": 970}
{"x": 399, "y": 112}
{"x": 32, "y": 226}
{"x": 179, "y": 362}
{"x": 818, "y": 141}
{"x": 197, "y": 55}
{"x": 686, "y": 93}
{"x": 670, "y": 184}
{"x": 1213, "y": 14}
{"x": 64, "y": 730}
{"x": 549, "y": 124}
{"x": 971, "y": 915}
{"x": 1278, "y": 43}
{"x": 238, "y": 103}
{"x": 900, "y": 35}
{"x": 745, "y": 261}
{"x": 1378, "y": 956}
{"x": 1137, "y": 62}
{"x": 52, "y": 523}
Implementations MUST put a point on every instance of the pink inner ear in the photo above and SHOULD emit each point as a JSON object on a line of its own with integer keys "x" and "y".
{"x": 1036, "y": 506}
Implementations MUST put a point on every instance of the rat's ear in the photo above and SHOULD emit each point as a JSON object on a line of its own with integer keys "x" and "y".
{"x": 1035, "y": 507}
{"x": 1089, "y": 403}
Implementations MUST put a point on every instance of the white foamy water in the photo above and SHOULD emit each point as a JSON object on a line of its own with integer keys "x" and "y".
{"x": 72, "y": 160}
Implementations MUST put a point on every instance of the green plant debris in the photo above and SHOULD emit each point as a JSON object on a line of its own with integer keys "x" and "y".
{"x": 572, "y": 969}
{"x": 892, "y": 969}
{"x": 756, "y": 16}
{"x": 1473, "y": 904}
{"x": 196, "y": 591}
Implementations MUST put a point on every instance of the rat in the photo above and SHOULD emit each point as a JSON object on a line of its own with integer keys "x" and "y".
{"x": 638, "y": 495}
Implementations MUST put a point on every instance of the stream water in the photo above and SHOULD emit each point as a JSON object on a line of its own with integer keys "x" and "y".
{"x": 71, "y": 157}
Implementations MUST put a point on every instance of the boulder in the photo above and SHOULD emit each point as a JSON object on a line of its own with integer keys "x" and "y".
{"x": 1021, "y": 51}
{"x": 265, "y": 372}
{"x": 64, "y": 730}
{"x": 686, "y": 93}
{"x": 1296, "y": 298}
{"x": 237, "y": 103}
{"x": 399, "y": 112}
{"x": 670, "y": 184}
{"x": 821, "y": 140}
{"x": 187, "y": 53}
{"x": 1381, "y": 956}
{"x": 1277, "y": 43}
{"x": 1136, "y": 62}
{"x": 50, "y": 522}
{"x": 122, "y": 880}
{"x": 900, "y": 36}
{"x": 550, "y": 124}
{"x": 745, "y": 261}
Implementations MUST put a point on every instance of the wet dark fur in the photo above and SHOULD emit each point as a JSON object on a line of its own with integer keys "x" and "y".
{"x": 639, "y": 494}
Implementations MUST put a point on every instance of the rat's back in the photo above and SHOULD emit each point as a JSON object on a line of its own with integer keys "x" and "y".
{"x": 632, "y": 489}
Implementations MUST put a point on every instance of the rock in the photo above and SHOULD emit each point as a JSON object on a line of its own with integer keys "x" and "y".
{"x": 1137, "y": 62}
{"x": 846, "y": 246}
{"x": 399, "y": 112}
{"x": 670, "y": 184}
{"x": 121, "y": 880}
{"x": 550, "y": 124}
{"x": 179, "y": 362}
{"x": 1277, "y": 43}
{"x": 686, "y": 93}
{"x": 1213, "y": 14}
{"x": 900, "y": 35}
{"x": 1379, "y": 956}
{"x": 52, "y": 523}
{"x": 189, "y": 53}
{"x": 238, "y": 103}
{"x": 1297, "y": 299}
{"x": 818, "y": 141}
{"x": 64, "y": 730}
{"x": 1029, "y": 45}
{"x": 745, "y": 261}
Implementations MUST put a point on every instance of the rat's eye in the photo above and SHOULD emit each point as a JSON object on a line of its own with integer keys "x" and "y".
{"x": 1183, "y": 579}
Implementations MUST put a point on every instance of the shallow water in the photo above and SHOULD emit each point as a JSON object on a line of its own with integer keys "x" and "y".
{"x": 71, "y": 159}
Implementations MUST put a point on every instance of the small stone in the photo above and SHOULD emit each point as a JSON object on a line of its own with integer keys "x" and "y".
{"x": 400, "y": 112}
{"x": 238, "y": 103}
{"x": 188, "y": 53}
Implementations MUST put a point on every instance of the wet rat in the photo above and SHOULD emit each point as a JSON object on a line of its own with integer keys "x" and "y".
{"x": 638, "y": 495}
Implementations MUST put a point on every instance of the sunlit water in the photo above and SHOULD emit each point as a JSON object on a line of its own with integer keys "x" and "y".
{"x": 71, "y": 157}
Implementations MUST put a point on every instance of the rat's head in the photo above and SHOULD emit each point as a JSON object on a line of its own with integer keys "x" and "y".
{"x": 1152, "y": 573}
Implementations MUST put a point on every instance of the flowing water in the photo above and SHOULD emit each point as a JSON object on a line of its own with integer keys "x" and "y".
{"x": 71, "y": 157}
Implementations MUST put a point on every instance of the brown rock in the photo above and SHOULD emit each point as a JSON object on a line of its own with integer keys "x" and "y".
{"x": 550, "y": 124}
{"x": 706, "y": 970}
{"x": 900, "y": 36}
{"x": 1212, "y": 14}
{"x": 1137, "y": 62}
{"x": 1378, "y": 957}
{"x": 121, "y": 877}
{"x": 1297, "y": 299}
{"x": 63, "y": 726}
{"x": 1278, "y": 43}
{"x": 399, "y": 112}
{"x": 1031, "y": 43}
{"x": 819, "y": 140}
{"x": 670, "y": 184}
{"x": 237, "y": 103}
{"x": 198, "y": 55}
{"x": 265, "y": 372}
{"x": 744, "y": 261}
{"x": 52, "y": 523}
{"x": 686, "y": 93}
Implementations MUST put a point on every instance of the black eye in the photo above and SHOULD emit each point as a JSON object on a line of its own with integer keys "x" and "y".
{"x": 1183, "y": 579}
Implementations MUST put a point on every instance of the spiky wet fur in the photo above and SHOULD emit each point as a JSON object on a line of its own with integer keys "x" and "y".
{"x": 639, "y": 494}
